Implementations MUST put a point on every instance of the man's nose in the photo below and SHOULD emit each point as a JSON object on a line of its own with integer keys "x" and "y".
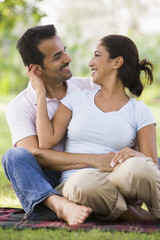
{"x": 67, "y": 58}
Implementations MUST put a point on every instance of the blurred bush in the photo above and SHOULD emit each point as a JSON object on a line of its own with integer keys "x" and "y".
{"x": 15, "y": 15}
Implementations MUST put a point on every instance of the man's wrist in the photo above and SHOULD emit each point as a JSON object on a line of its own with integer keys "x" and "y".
{"x": 91, "y": 160}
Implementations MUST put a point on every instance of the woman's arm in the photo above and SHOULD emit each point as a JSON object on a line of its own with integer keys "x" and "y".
{"x": 146, "y": 139}
{"x": 50, "y": 133}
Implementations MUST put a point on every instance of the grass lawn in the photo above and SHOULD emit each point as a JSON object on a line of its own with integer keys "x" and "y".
{"x": 9, "y": 199}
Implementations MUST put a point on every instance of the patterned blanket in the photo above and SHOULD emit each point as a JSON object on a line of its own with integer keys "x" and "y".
{"x": 14, "y": 218}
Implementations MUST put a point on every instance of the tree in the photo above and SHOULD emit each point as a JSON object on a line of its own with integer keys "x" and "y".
{"x": 13, "y": 11}
{"x": 14, "y": 16}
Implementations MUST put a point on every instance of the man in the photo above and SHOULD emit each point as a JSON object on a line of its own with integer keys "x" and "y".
{"x": 41, "y": 48}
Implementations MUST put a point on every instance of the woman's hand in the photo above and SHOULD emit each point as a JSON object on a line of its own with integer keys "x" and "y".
{"x": 123, "y": 155}
{"x": 36, "y": 81}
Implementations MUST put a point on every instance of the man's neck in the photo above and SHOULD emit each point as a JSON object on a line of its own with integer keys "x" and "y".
{"x": 57, "y": 91}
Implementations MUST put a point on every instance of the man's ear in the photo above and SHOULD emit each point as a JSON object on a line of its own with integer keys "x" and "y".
{"x": 118, "y": 62}
{"x": 37, "y": 68}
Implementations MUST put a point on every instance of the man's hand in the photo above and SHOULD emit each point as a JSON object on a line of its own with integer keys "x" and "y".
{"x": 103, "y": 162}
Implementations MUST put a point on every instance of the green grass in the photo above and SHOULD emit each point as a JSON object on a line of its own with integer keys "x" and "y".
{"x": 9, "y": 199}
{"x": 42, "y": 234}
{"x": 7, "y": 195}
{"x": 156, "y": 111}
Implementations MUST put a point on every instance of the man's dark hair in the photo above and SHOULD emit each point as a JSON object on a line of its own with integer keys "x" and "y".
{"x": 27, "y": 44}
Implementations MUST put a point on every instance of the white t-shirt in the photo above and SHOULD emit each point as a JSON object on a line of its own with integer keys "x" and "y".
{"x": 94, "y": 131}
{"x": 21, "y": 111}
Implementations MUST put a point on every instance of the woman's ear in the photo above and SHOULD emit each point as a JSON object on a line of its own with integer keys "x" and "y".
{"x": 118, "y": 62}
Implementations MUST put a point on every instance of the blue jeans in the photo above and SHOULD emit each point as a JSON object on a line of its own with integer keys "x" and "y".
{"x": 31, "y": 183}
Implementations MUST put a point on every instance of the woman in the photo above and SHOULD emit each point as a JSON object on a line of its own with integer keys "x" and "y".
{"x": 108, "y": 120}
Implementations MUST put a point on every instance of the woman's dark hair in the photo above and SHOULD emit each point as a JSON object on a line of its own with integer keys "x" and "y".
{"x": 27, "y": 44}
{"x": 129, "y": 72}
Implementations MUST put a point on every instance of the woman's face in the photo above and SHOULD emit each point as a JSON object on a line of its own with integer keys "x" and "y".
{"x": 101, "y": 65}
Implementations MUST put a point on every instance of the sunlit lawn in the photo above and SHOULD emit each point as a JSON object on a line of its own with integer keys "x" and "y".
{"x": 9, "y": 199}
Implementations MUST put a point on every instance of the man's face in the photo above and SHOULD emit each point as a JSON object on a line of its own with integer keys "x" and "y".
{"x": 56, "y": 61}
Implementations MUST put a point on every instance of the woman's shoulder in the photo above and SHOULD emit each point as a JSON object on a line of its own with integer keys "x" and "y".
{"x": 138, "y": 104}
{"x": 140, "y": 107}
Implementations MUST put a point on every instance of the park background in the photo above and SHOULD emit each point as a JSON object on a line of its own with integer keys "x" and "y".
{"x": 80, "y": 23}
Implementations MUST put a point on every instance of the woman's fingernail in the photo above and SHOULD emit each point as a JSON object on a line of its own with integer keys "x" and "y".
{"x": 120, "y": 160}
{"x": 112, "y": 164}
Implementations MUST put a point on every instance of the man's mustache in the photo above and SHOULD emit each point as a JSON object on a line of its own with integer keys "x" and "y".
{"x": 64, "y": 66}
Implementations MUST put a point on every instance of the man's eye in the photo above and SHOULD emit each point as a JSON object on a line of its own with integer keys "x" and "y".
{"x": 56, "y": 57}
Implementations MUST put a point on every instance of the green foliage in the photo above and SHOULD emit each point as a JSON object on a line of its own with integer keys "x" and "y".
{"x": 12, "y": 71}
{"x": 149, "y": 47}
{"x": 79, "y": 34}
{"x": 13, "y": 11}
{"x": 14, "y": 16}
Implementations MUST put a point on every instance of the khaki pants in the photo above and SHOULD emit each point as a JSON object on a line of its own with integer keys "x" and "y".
{"x": 108, "y": 193}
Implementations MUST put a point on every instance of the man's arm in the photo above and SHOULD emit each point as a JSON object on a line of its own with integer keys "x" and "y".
{"x": 61, "y": 161}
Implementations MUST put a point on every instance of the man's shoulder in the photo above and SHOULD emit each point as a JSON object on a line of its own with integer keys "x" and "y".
{"x": 79, "y": 80}
{"x": 18, "y": 99}
{"x": 19, "y": 103}
{"x": 81, "y": 83}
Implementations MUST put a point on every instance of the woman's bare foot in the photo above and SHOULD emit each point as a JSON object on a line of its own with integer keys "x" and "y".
{"x": 69, "y": 211}
{"x": 136, "y": 213}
